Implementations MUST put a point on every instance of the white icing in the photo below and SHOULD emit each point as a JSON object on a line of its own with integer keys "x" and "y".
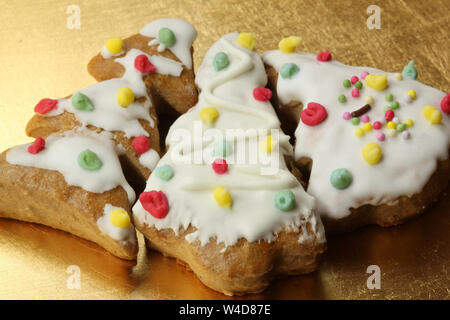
{"x": 407, "y": 164}
{"x": 107, "y": 54}
{"x": 123, "y": 235}
{"x": 190, "y": 191}
{"x": 61, "y": 152}
{"x": 149, "y": 159}
{"x": 184, "y": 32}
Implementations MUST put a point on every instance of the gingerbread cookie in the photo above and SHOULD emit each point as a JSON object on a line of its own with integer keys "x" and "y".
{"x": 374, "y": 144}
{"x": 237, "y": 223}
{"x": 72, "y": 182}
{"x": 137, "y": 75}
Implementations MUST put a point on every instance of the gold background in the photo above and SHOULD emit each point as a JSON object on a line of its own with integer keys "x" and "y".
{"x": 41, "y": 57}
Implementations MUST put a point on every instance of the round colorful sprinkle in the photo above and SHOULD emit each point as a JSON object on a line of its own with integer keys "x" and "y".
{"x": 324, "y": 56}
{"x": 284, "y": 200}
{"x": 262, "y": 94}
{"x": 381, "y": 136}
{"x": 82, "y": 102}
{"x": 342, "y": 98}
{"x": 164, "y": 172}
{"x": 209, "y": 115}
{"x": 220, "y": 166}
{"x": 141, "y": 144}
{"x": 142, "y": 64}
{"x": 247, "y": 40}
{"x": 37, "y": 146}
{"x": 341, "y": 178}
{"x": 372, "y": 153}
{"x": 288, "y": 70}
{"x": 46, "y": 105}
{"x": 166, "y": 37}
{"x": 125, "y": 97}
{"x": 314, "y": 114}
{"x": 355, "y": 121}
{"x": 155, "y": 203}
{"x": 223, "y": 197}
{"x": 89, "y": 160}
{"x": 288, "y": 45}
{"x": 120, "y": 219}
{"x": 346, "y": 116}
{"x": 220, "y": 61}
{"x": 347, "y": 83}
{"x": 114, "y": 45}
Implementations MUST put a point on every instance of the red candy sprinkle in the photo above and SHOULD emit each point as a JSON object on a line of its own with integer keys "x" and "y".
{"x": 314, "y": 114}
{"x": 355, "y": 93}
{"x": 144, "y": 65}
{"x": 324, "y": 56}
{"x": 141, "y": 144}
{"x": 155, "y": 203}
{"x": 354, "y": 79}
{"x": 262, "y": 94}
{"x": 389, "y": 115}
{"x": 37, "y": 146}
{"x": 445, "y": 104}
{"x": 220, "y": 166}
{"x": 376, "y": 125}
{"x": 46, "y": 105}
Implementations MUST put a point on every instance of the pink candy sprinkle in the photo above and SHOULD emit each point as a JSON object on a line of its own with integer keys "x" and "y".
{"x": 381, "y": 136}
{"x": 389, "y": 115}
{"x": 406, "y": 135}
{"x": 364, "y": 74}
{"x": 346, "y": 116}
{"x": 354, "y": 79}
{"x": 376, "y": 125}
{"x": 355, "y": 93}
{"x": 365, "y": 118}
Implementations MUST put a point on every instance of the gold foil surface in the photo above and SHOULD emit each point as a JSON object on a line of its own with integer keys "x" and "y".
{"x": 40, "y": 56}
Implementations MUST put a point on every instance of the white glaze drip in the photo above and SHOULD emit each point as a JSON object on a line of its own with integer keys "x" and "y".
{"x": 61, "y": 153}
{"x": 184, "y": 32}
{"x": 406, "y": 165}
{"x": 190, "y": 192}
{"x": 123, "y": 235}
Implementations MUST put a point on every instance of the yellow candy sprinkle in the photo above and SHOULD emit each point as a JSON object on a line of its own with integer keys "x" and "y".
{"x": 412, "y": 94}
{"x": 427, "y": 111}
{"x": 372, "y": 153}
{"x": 267, "y": 145}
{"x": 369, "y": 99}
{"x": 120, "y": 219}
{"x": 378, "y": 82}
{"x": 398, "y": 76}
{"x": 391, "y": 125}
{"x": 409, "y": 122}
{"x": 125, "y": 96}
{"x": 367, "y": 127}
{"x": 223, "y": 197}
{"x": 433, "y": 115}
{"x": 247, "y": 40}
{"x": 436, "y": 117}
{"x": 114, "y": 45}
{"x": 288, "y": 45}
{"x": 359, "y": 132}
{"x": 209, "y": 115}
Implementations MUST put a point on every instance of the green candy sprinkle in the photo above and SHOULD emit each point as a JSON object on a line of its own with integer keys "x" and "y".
{"x": 82, "y": 102}
{"x": 220, "y": 61}
{"x": 89, "y": 161}
{"x": 342, "y": 98}
{"x": 347, "y": 83}
{"x": 284, "y": 200}
{"x": 166, "y": 37}
{"x": 222, "y": 149}
{"x": 355, "y": 121}
{"x": 164, "y": 172}
{"x": 401, "y": 127}
{"x": 358, "y": 85}
{"x": 409, "y": 71}
{"x": 288, "y": 70}
{"x": 341, "y": 178}
{"x": 395, "y": 105}
{"x": 389, "y": 97}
